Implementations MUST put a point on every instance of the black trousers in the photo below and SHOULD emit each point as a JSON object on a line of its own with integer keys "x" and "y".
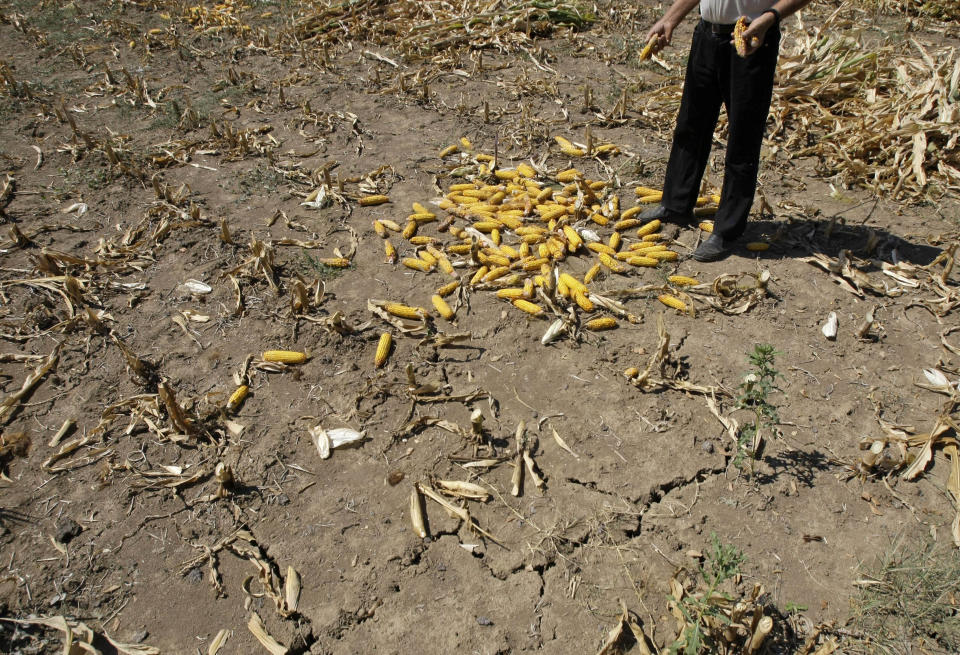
{"x": 717, "y": 74}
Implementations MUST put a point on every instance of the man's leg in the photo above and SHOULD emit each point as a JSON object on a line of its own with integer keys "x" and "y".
{"x": 747, "y": 91}
{"x": 696, "y": 120}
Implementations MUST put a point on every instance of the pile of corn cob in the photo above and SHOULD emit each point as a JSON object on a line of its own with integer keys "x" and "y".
{"x": 511, "y": 231}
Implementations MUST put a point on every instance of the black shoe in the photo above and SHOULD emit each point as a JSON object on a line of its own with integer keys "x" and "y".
{"x": 712, "y": 250}
{"x": 661, "y": 213}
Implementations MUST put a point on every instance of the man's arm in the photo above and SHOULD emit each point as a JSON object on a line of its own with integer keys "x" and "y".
{"x": 663, "y": 28}
{"x": 757, "y": 30}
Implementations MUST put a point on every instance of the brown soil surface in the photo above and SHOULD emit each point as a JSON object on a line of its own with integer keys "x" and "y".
{"x": 179, "y": 131}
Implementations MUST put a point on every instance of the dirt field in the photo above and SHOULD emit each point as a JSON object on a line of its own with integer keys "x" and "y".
{"x": 148, "y": 144}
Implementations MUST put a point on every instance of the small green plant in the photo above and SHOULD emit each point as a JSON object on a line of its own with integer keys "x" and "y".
{"x": 702, "y": 612}
{"x": 313, "y": 268}
{"x": 794, "y": 608}
{"x": 754, "y": 395}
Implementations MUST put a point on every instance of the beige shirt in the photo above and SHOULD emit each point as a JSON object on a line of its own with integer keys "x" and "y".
{"x": 726, "y": 12}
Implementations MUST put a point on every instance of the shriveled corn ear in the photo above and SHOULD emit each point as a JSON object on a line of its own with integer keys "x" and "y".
{"x": 237, "y": 397}
{"x": 383, "y": 350}
{"x": 611, "y": 263}
{"x": 682, "y": 280}
{"x": 661, "y": 255}
{"x": 649, "y": 228}
{"x": 404, "y": 311}
{"x": 376, "y": 199}
{"x": 528, "y": 307}
{"x": 511, "y": 293}
{"x": 568, "y": 148}
{"x": 284, "y": 356}
{"x": 446, "y": 152}
{"x": 648, "y": 49}
{"x": 442, "y": 307}
{"x": 757, "y": 246}
{"x": 631, "y": 372}
{"x": 602, "y": 323}
{"x": 390, "y": 253}
{"x": 335, "y": 262}
{"x": 738, "y": 41}
{"x": 463, "y": 489}
{"x": 706, "y": 226}
{"x": 417, "y": 264}
{"x": 447, "y": 289}
{"x": 672, "y": 301}
{"x": 568, "y": 175}
{"x": 418, "y": 513}
{"x": 591, "y": 274}
{"x": 705, "y": 211}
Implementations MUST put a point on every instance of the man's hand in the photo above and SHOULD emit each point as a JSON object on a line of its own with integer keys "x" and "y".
{"x": 756, "y": 32}
{"x": 663, "y": 31}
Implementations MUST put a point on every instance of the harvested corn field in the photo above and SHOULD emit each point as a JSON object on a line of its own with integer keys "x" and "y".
{"x": 332, "y": 327}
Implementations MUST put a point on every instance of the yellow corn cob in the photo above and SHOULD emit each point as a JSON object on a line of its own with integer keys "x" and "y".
{"x": 563, "y": 289}
{"x": 573, "y": 283}
{"x": 626, "y": 224}
{"x": 484, "y": 157}
{"x": 599, "y": 218}
{"x": 598, "y": 247}
{"x": 630, "y": 213}
{"x": 648, "y": 49}
{"x": 614, "y": 242}
{"x": 428, "y": 258}
{"x": 524, "y": 249}
{"x": 640, "y": 260}
{"x": 581, "y": 299}
{"x": 738, "y": 40}
{"x": 528, "y": 307}
{"x": 556, "y": 247}
{"x": 624, "y": 255}
{"x": 390, "y": 252}
{"x": 446, "y": 266}
{"x": 422, "y": 240}
{"x": 602, "y": 323}
{"x": 449, "y": 150}
{"x": 509, "y": 252}
{"x": 682, "y": 280}
{"x": 757, "y": 246}
{"x": 409, "y": 230}
{"x": 335, "y": 262}
{"x": 495, "y": 236}
{"x": 506, "y": 174}
{"x": 480, "y": 194}
{"x": 611, "y": 263}
{"x": 535, "y": 264}
{"x": 705, "y": 211}
{"x": 485, "y": 226}
{"x": 551, "y": 212}
{"x": 422, "y": 217}
{"x": 597, "y": 185}
{"x": 641, "y": 246}
{"x": 591, "y": 274}
{"x": 442, "y": 307}
{"x": 649, "y": 228}
{"x": 498, "y": 260}
{"x": 236, "y": 398}
{"x": 404, "y": 311}
{"x": 652, "y": 238}
{"x": 496, "y": 273}
{"x": 544, "y": 195}
{"x": 646, "y": 191}
{"x": 662, "y": 255}
{"x": 416, "y": 264}
{"x": 706, "y": 226}
{"x": 568, "y": 175}
{"x": 652, "y": 198}
{"x": 448, "y": 288}
{"x": 569, "y": 190}
{"x": 459, "y": 248}
{"x": 379, "y": 229}
{"x": 446, "y": 203}
{"x": 568, "y": 148}
{"x": 530, "y": 229}
{"x": 284, "y": 356}
{"x": 377, "y": 199}
{"x": 528, "y": 288}
{"x": 465, "y": 143}
{"x": 383, "y": 350}
{"x": 510, "y": 293}
{"x": 481, "y": 272}
{"x": 672, "y": 301}
{"x": 574, "y": 241}
{"x": 631, "y": 372}
{"x": 390, "y": 225}
{"x": 526, "y": 170}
